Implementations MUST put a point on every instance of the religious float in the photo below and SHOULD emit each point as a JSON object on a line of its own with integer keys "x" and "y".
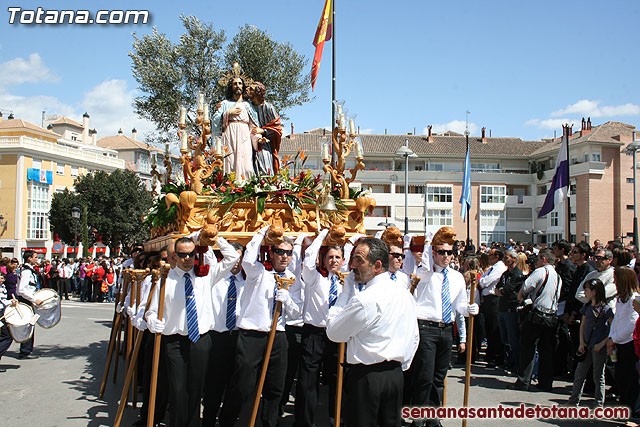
{"x": 215, "y": 201}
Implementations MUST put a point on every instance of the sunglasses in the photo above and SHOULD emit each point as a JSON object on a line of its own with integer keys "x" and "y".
{"x": 186, "y": 254}
{"x": 444, "y": 252}
{"x": 599, "y": 257}
{"x": 278, "y": 251}
{"x": 397, "y": 255}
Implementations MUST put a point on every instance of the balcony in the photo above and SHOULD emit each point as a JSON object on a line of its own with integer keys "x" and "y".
{"x": 38, "y": 147}
{"x": 520, "y": 201}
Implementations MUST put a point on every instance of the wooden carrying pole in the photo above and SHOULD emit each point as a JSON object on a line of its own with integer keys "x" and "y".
{"x": 469, "y": 350}
{"x": 164, "y": 272}
{"x": 340, "y": 370}
{"x": 115, "y": 331}
{"x": 119, "y": 346}
{"x": 131, "y": 369}
{"x": 283, "y": 283}
{"x": 139, "y": 277}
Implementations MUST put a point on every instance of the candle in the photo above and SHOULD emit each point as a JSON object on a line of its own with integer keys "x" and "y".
{"x": 352, "y": 127}
{"x": 200, "y": 101}
{"x": 183, "y": 115}
{"x": 218, "y": 146}
{"x": 153, "y": 160}
{"x": 206, "y": 112}
{"x": 339, "y": 109}
{"x": 325, "y": 151}
{"x": 358, "y": 148}
{"x": 184, "y": 141}
{"x": 166, "y": 149}
{"x": 342, "y": 122}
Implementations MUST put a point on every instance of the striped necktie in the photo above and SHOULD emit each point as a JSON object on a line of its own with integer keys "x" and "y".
{"x": 333, "y": 291}
{"x": 192, "y": 312}
{"x": 360, "y": 286}
{"x": 393, "y": 276}
{"x": 446, "y": 298}
{"x": 231, "y": 303}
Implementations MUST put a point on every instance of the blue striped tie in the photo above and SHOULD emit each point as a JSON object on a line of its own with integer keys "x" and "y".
{"x": 360, "y": 286}
{"x": 231, "y": 304}
{"x": 192, "y": 312}
{"x": 393, "y": 276}
{"x": 333, "y": 291}
{"x": 446, "y": 298}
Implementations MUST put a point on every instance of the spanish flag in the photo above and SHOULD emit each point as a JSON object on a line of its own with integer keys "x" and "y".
{"x": 323, "y": 33}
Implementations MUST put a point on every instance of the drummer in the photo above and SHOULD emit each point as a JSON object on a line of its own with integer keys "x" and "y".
{"x": 27, "y": 287}
{"x": 5, "y": 337}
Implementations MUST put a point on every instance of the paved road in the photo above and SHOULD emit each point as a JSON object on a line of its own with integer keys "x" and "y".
{"x": 61, "y": 387}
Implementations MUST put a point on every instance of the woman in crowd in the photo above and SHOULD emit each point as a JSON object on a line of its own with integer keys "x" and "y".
{"x": 522, "y": 263}
{"x": 620, "y": 344}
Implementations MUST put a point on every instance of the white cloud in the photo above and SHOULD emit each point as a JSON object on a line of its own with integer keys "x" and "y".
{"x": 454, "y": 125}
{"x": 367, "y": 131}
{"x": 21, "y": 70}
{"x": 588, "y": 108}
{"x": 31, "y": 108}
{"x": 110, "y": 106}
{"x": 552, "y": 123}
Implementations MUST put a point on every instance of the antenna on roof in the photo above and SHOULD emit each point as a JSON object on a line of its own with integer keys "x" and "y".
{"x": 466, "y": 124}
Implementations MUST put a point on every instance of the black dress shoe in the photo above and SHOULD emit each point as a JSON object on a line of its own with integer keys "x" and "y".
{"x": 2, "y": 370}
{"x": 518, "y": 385}
{"x": 27, "y": 356}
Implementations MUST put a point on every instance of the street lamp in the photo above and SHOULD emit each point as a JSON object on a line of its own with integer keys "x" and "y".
{"x": 75, "y": 214}
{"x": 631, "y": 149}
{"x": 533, "y": 234}
{"x": 405, "y": 151}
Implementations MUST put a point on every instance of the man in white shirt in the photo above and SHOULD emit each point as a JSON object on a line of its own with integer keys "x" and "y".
{"x": 27, "y": 287}
{"x": 439, "y": 295}
{"x": 321, "y": 293}
{"x": 257, "y": 308}
{"x": 224, "y": 335}
{"x": 489, "y": 306}
{"x": 396, "y": 258}
{"x": 185, "y": 326}
{"x": 604, "y": 272}
{"x": 378, "y": 323}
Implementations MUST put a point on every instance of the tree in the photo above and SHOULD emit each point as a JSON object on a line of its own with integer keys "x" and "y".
{"x": 113, "y": 204}
{"x": 171, "y": 74}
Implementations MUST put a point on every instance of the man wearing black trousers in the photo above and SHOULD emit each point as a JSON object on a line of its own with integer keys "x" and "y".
{"x": 27, "y": 287}
{"x": 257, "y": 309}
{"x": 378, "y": 323}
{"x": 185, "y": 326}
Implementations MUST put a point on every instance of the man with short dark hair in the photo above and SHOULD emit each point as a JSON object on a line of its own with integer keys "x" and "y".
{"x": 604, "y": 272}
{"x": 566, "y": 269}
{"x": 378, "y": 323}
{"x": 27, "y": 287}
{"x": 541, "y": 290}
{"x": 507, "y": 289}
{"x": 489, "y": 307}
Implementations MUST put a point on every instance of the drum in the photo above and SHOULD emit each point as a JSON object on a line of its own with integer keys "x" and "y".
{"x": 20, "y": 321}
{"x": 49, "y": 310}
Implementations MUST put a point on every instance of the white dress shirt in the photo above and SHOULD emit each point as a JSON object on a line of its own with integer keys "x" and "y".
{"x": 175, "y": 311}
{"x": 317, "y": 287}
{"x": 378, "y": 324}
{"x": 491, "y": 277}
{"x": 402, "y": 278}
{"x": 428, "y": 294}
{"x": 145, "y": 289}
{"x": 295, "y": 267}
{"x": 606, "y": 277}
{"x": 28, "y": 283}
{"x": 258, "y": 296}
{"x": 220, "y": 301}
{"x": 624, "y": 321}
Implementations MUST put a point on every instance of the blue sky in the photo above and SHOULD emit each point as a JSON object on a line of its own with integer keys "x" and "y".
{"x": 520, "y": 68}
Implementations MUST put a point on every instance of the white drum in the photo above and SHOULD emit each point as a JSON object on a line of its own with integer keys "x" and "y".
{"x": 20, "y": 321}
{"x": 49, "y": 310}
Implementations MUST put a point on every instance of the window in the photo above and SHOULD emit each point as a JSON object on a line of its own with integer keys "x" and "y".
{"x": 60, "y": 169}
{"x": 433, "y": 166}
{"x": 586, "y": 157}
{"x": 629, "y": 180}
{"x": 595, "y": 157}
{"x": 37, "y": 210}
{"x": 485, "y": 167}
{"x": 439, "y": 217}
{"x": 542, "y": 190}
{"x": 492, "y": 218}
{"x": 574, "y": 216}
{"x": 553, "y": 219}
{"x": 144, "y": 163}
{"x": 492, "y": 236}
{"x": 574, "y": 188}
{"x": 629, "y": 207}
{"x": 74, "y": 171}
{"x": 439, "y": 194}
{"x": 554, "y": 237}
{"x": 37, "y": 164}
{"x": 493, "y": 193}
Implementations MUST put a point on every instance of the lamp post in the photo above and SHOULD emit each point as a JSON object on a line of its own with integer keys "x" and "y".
{"x": 405, "y": 151}
{"x": 631, "y": 149}
{"x": 533, "y": 234}
{"x": 75, "y": 214}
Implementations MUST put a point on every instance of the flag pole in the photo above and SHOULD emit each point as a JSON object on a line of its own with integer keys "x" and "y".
{"x": 333, "y": 64}
{"x": 568, "y": 223}
{"x": 468, "y": 206}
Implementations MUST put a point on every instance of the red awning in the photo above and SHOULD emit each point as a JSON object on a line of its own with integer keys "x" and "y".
{"x": 36, "y": 250}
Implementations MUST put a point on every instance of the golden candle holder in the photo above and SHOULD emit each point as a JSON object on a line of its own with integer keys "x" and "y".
{"x": 342, "y": 149}
{"x": 198, "y": 169}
